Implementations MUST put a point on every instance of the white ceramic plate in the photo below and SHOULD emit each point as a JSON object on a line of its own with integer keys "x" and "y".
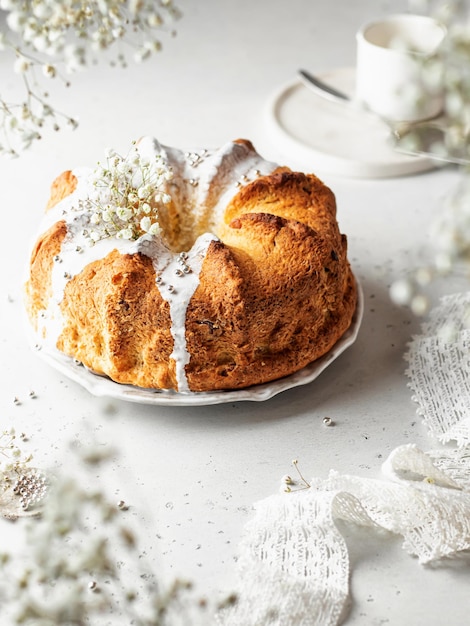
{"x": 334, "y": 137}
{"x": 103, "y": 386}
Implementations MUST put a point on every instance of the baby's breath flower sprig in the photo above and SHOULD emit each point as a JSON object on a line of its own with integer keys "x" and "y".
{"x": 446, "y": 71}
{"x": 449, "y": 72}
{"x": 21, "y": 124}
{"x": 49, "y": 39}
{"x": 127, "y": 194}
{"x": 299, "y": 484}
{"x": 13, "y": 460}
{"x": 449, "y": 253}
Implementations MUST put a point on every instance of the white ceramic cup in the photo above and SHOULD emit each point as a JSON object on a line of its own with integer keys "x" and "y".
{"x": 390, "y": 54}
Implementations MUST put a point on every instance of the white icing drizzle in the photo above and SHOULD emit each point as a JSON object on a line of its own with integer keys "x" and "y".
{"x": 70, "y": 262}
{"x": 230, "y": 168}
{"x": 210, "y": 179}
{"x": 205, "y": 183}
{"x": 178, "y": 279}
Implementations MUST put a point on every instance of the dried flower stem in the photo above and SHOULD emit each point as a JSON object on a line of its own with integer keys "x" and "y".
{"x": 288, "y": 481}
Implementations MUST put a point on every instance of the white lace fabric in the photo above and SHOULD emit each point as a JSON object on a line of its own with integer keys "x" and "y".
{"x": 291, "y": 548}
{"x": 294, "y": 563}
{"x": 439, "y": 370}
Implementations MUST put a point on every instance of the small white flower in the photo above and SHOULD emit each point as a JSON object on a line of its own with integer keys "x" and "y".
{"x": 454, "y": 102}
{"x": 423, "y": 276}
{"x": 118, "y": 32}
{"x": 124, "y": 213}
{"x": 144, "y": 192}
{"x": 49, "y": 71}
{"x": 29, "y": 32}
{"x": 420, "y": 304}
{"x": 7, "y": 5}
{"x": 107, "y": 215}
{"x": 141, "y": 55}
{"x": 15, "y": 21}
{"x": 40, "y": 43}
{"x": 401, "y": 292}
{"x": 21, "y": 65}
{"x": 145, "y": 224}
{"x": 41, "y": 10}
{"x": 124, "y": 168}
{"x": 153, "y": 46}
{"x": 25, "y": 112}
{"x": 12, "y": 122}
{"x": 154, "y": 20}
{"x": 125, "y": 233}
{"x": 132, "y": 197}
{"x": 75, "y": 58}
{"x": 154, "y": 229}
{"x": 443, "y": 262}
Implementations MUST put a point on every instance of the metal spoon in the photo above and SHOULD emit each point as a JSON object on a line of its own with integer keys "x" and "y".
{"x": 421, "y": 138}
{"x": 323, "y": 89}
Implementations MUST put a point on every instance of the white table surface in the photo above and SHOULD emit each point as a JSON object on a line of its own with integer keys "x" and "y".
{"x": 192, "y": 475}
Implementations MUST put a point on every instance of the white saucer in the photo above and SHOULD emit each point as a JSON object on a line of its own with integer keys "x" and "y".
{"x": 103, "y": 386}
{"x": 333, "y": 137}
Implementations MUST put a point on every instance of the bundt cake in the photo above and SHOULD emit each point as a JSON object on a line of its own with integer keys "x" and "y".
{"x": 194, "y": 271}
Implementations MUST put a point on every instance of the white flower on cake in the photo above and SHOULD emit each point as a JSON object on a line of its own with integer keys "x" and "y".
{"x": 127, "y": 193}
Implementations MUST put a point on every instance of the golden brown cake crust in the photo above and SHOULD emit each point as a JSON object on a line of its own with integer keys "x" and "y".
{"x": 275, "y": 293}
{"x": 273, "y": 297}
{"x": 38, "y": 288}
{"x": 63, "y": 186}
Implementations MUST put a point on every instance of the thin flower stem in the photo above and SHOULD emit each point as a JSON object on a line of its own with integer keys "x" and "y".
{"x": 305, "y": 482}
